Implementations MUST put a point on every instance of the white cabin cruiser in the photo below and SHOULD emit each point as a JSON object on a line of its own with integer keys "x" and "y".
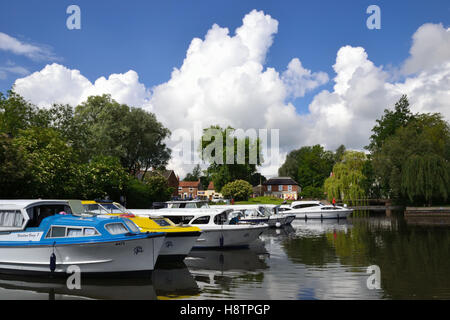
{"x": 219, "y": 226}
{"x": 316, "y": 210}
{"x": 267, "y": 213}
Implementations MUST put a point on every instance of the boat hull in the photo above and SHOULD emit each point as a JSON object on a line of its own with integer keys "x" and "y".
{"x": 133, "y": 255}
{"x": 338, "y": 214}
{"x": 238, "y": 236}
{"x": 177, "y": 245}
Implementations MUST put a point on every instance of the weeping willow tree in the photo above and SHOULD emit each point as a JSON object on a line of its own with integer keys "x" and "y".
{"x": 347, "y": 179}
{"x": 426, "y": 177}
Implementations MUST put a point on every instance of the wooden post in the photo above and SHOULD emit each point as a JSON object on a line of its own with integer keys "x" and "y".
{"x": 388, "y": 208}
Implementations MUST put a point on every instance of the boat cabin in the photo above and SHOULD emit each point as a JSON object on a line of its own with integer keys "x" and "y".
{"x": 187, "y": 204}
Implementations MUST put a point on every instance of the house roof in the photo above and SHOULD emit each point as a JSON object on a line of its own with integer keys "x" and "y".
{"x": 280, "y": 181}
{"x": 211, "y": 186}
{"x": 191, "y": 184}
{"x": 165, "y": 173}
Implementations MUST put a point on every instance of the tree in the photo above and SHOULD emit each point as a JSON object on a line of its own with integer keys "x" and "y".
{"x": 412, "y": 164}
{"x": 53, "y": 165}
{"x": 230, "y": 157}
{"x": 346, "y": 181}
{"x": 102, "y": 177}
{"x": 389, "y": 123}
{"x": 15, "y": 172}
{"x": 195, "y": 175}
{"x": 238, "y": 190}
{"x": 309, "y": 166}
{"x": 131, "y": 134}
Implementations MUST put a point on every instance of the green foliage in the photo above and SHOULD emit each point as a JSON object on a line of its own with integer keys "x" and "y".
{"x": 389, "y": 123}
{"x": 89, "y": 152}
{"x": 308, "y": 166}
{"x": 413, "y": 163}
{"x": 346, "y": 183}
{"x": 239, "y": 190}
{"x": 102, "y": 177}
{"x": 195, "y": 175}
{"x": 230, "y": 158}
{"x": 310, "y": 192}
{"x": 52, "y": 163}
{"x": 141, "y": 194}
{"x": 131, "y": 134}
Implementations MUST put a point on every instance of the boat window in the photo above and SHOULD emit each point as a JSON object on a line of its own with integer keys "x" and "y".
{"x": 201, "y": 220}
{"x": 90, "y": 232}
{"x": 57, "y": 232}
{"x": 161, "y": 222}
{"x": 305, "y": 205}
{"x": 132, "y": 226}
{"x": 220, "y": 218}
{"x": 74, "y": 232}
{"x": 11, "y": 218}
{"x": 191, "y": 205}
{"x": 38, "y": 213}
{"x": 180, "y": 219}
{"x": 116, "y": 228}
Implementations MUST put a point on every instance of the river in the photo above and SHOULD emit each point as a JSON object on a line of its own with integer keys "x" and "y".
{"x": 307, "y": 260}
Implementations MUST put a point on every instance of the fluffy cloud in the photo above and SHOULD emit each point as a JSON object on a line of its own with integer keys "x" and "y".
{"x": 223, "y": 80}
{"x": 430, "y": 48}
{"x": 58, "y": 84}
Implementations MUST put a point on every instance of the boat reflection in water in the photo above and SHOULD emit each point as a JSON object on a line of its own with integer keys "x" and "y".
{"x": 216, "y": 270}
{"x": 41, "y": 288}
{"x": 173, "y": 280}
{"x": 165, "y": 282}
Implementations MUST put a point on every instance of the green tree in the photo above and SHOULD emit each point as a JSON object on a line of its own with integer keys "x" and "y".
{"x": 195, "y": 174}
{"x": 389, "y": 123}
{"x": 15, "y": 174}
{"x": 230, "y": 158}
{"x": 239, "y": 190}
{"x": 412, "y": 164}
{"x": 131, "y": 134}
{"x": 53, "y": 166}
{"x": 309, "y": 166}
{"x": 347, "y": 180}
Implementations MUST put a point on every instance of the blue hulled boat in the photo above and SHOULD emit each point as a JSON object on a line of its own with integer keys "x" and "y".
{"x": 34, "y": 237}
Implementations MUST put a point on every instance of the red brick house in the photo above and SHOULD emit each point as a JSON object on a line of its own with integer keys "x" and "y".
{"x": 189, "y": 189}
{"x": 172, "y": 179}
{"x": 281, "y": 187}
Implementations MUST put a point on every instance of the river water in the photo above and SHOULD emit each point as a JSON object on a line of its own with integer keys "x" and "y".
{"x": 308, "y": 260}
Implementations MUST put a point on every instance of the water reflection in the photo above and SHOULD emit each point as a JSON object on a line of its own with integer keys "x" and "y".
{"x": 308, "y": 260}
{"x": 42, "y": 288}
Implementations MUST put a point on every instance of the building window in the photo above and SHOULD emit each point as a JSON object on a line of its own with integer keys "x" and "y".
{"x": 269, "y": 188}
{"x": 280, "y": 188}
{"x": 289, "y": 187}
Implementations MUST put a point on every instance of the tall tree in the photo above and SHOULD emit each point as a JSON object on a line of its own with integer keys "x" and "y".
{"x": 389, "y": 123}
{"x": 230, "y": 157}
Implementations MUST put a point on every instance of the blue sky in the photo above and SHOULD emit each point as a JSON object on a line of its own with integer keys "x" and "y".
{"x": 151, "y": 37}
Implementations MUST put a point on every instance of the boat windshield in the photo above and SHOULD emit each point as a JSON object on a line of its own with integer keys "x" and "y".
{"x": 266, "y": 211}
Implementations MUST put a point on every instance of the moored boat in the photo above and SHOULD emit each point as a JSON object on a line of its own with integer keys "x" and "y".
{"x": 36, "y": 237}
{"x": 316, "y": 210}
{"x": 217, "y": 225}
{"x": 179, "y": 239}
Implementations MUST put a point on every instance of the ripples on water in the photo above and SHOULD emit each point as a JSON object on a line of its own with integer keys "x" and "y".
{"x": 308, "y": 260}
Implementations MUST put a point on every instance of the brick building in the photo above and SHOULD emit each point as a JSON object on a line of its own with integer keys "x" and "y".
{"x": 281, "y": 187}
{"x": 189, "y": 189}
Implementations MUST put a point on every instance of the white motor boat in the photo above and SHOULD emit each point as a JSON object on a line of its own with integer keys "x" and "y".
{"x": 51, "y": 235}
{"x": 218, "y": 226}
{"x": 267, "y": 213}
{"x": 316, "y": 210}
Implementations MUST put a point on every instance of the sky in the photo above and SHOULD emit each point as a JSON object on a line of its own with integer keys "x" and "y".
{"x": 312, "y": 70}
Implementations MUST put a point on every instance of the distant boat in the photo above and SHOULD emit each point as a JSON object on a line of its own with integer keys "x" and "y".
{"x": 218, "y": 229}
{"x": 50, "y": 235}
{"x": 315, "y": 210}
{"x": 266, "y": 213}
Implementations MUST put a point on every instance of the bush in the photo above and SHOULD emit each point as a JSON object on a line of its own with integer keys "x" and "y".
{"x": 239, "y": 190}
